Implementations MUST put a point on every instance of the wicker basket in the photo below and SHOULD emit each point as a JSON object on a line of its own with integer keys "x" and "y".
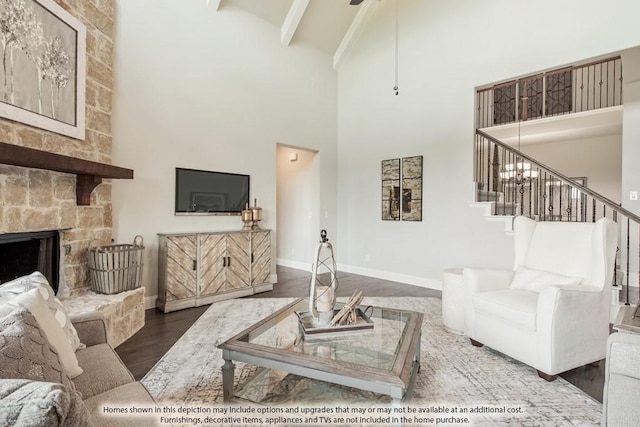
{"x": 116, "y": 268}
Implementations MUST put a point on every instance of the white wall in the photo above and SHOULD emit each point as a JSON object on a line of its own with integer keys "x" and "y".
{"x": 299, "y": 213}
{"x": 598, "y": 159}
{"x": 446, "y": 49}
{"x": 211, "y": 90}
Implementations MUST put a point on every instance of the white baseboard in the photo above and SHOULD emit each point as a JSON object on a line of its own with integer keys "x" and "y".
{"x": 378, "y": 274}
{"x": 306, "y": 266}
{"x": 150, "y": 302}
{"x": 395, "y": 277}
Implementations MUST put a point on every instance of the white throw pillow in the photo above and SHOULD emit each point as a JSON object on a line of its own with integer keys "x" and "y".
{"x": 34, "y": 302}
{"x": 536, "y": 280}
{"x": 36, "y": 279}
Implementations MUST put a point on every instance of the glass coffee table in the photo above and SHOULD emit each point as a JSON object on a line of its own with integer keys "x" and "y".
{"x": 383, "y": 359}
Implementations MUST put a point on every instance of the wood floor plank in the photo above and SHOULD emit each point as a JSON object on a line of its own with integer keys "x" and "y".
{"x": 161, "y": 330}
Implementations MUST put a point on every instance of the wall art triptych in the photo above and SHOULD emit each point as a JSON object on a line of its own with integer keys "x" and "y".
{"x": 402, "y": 189}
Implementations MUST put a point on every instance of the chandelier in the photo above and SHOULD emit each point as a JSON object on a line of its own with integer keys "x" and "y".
{"x": 521, "y": 170}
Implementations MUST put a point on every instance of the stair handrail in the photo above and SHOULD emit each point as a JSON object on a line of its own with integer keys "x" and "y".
{"x": 611, "y": 204}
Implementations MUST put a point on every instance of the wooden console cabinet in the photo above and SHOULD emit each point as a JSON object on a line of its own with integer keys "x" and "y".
{"x": 200, "y": 268}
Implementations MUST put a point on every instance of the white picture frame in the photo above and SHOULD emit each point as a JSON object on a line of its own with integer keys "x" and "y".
{"x": 44, "y": 47}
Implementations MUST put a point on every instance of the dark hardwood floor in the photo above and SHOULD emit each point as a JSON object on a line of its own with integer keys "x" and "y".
{"x": 141, "y": 352}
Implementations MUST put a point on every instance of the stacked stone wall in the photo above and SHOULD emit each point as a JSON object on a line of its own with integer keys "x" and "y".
{"x": 34, "y": 200}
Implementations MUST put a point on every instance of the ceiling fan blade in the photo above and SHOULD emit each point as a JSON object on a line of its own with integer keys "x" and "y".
{"x": 355, "y": 2}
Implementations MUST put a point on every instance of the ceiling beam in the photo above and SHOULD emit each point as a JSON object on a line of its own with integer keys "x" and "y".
{"x": 291, "y": 22}
{"x": 214, "y": 3}
{"x": 365, "y": 11}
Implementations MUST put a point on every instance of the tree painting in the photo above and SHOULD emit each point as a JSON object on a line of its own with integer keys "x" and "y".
{"x": 38, "y": 60}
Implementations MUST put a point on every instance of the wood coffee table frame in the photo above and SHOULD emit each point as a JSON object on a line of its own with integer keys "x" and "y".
{"x": 396, "y": 382}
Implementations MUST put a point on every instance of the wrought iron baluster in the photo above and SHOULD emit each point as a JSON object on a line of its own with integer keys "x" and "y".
{"x": 628, "y": 263}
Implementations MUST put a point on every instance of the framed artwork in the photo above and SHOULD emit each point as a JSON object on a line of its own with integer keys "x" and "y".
{"x": 402, "y": 189}
{"x": 412, "y": 188}
{"x": 391, "y": 190}
{"x": 42, "y": 82}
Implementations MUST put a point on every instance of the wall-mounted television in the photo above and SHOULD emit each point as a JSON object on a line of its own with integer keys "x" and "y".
{"x": 209, "y": 192}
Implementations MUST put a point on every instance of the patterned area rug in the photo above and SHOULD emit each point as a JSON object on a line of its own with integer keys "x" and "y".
{"x": 488, "y": 387}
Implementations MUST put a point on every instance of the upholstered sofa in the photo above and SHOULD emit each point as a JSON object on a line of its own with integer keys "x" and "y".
{"x": 622, "y": 381}
{"x": 104, "y": 393}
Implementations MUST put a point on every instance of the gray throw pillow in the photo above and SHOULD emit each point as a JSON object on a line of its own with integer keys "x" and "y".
{"x": 25, "y": 351}
{"x": 33, "y": 403}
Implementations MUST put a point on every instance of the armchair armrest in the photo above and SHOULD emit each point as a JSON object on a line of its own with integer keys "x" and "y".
{"x": 91, "y": 327}
{"x": 569, "y": 319}
{"x": 483, "y": 279}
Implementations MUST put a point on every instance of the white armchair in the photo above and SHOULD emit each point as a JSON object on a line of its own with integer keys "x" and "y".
{"x": 552, "y": 310}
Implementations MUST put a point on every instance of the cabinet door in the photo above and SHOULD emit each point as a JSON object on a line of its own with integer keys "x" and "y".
{"x": 261, "y": 257}
{"x": 181, "y": 267}
{"x": 238, "y": 270}
{"x": 212, "y": 264}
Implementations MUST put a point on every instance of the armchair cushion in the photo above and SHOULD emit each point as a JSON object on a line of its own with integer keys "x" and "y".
{"x": 552, "y": 243}
{"x": 532, "y": 280}
{"x": 515, "y": 306}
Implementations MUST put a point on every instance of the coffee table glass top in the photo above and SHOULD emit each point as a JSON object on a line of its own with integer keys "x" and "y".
{"x": 383, "y": 359}
{"x": 376, "y": 347}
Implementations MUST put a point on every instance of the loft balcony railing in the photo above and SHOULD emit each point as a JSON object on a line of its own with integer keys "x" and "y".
{"x": 517, "y": 184}
{"x": 564, "y": 91}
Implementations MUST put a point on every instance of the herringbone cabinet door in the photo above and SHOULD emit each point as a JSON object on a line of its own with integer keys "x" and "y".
{"x": 180, "y": 274}
{"x": 239, "y": 261}
{"x": 261, "y": 251}
{"x": 212, "y": 263}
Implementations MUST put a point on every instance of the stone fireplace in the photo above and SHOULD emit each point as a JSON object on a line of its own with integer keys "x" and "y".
{"x": 41, "y": 202}
{"x": 37, "y": 199}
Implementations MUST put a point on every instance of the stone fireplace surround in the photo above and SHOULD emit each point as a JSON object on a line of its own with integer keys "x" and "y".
{"x": 23, "y": 253}
{"x": 123, "y": 312}
{"x": 34, "y": 200}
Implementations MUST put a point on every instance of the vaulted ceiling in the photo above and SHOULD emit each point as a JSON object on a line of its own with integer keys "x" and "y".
{"x": 329, "y": 25}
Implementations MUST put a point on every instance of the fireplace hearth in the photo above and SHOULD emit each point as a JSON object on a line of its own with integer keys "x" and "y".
{"x": 24, "y": 253}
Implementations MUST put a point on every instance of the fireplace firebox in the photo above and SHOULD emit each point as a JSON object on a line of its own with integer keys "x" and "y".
{"x": 24, "y": 253}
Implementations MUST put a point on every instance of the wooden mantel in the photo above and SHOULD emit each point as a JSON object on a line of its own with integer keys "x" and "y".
{"x": 88, "y": 174}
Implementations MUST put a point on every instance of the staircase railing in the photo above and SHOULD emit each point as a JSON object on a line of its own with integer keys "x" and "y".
{"x": 566, "y": 90}
{"x": 517, "y": 184}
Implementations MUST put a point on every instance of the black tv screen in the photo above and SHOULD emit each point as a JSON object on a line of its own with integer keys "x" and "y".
{"x": 199, "y": 191}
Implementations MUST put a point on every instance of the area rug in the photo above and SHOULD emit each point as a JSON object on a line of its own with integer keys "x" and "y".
{"x": 458, "y": 384}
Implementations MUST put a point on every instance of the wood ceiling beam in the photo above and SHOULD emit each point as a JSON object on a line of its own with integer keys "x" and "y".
{"x": 291, "y": 22}
{"x": 365, "y": 11}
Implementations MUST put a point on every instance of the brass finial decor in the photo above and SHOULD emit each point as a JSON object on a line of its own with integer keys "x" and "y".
{"x": 257, "y": 214}
{"x": 247, "y": 218}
